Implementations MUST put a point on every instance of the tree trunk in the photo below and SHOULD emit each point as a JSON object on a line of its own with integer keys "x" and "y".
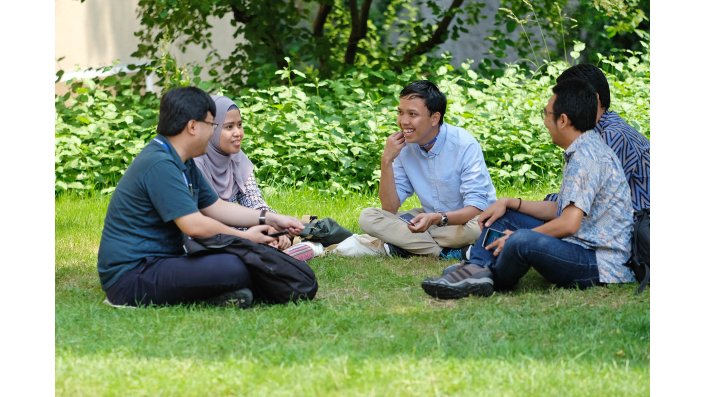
{"x": 321, "y": 17}
{"x": 358, "y": 30}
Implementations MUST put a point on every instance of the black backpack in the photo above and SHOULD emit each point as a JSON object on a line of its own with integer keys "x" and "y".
{"x": 640, "y": 261}
{"x": 276, "y": 277}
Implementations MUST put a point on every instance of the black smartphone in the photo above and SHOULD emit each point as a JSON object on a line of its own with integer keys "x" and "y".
{"x": 277, "y": 234}
{"x": 407, "y": 218}
{"x": 491, "y": 236}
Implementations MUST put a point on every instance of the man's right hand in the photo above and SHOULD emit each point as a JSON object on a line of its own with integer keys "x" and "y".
{"x": 258, "y": 234}
{"x": 492, "y": 213}
{"x": 395, "y": 143}
{"x": 285, "y": 222}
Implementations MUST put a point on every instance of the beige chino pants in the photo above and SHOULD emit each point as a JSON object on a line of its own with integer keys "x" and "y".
{"x": 389, "y": 228}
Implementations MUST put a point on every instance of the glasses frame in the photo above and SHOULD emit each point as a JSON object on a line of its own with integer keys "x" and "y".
{"x": 546, "y": 112}
{"x": 214, "y": 125}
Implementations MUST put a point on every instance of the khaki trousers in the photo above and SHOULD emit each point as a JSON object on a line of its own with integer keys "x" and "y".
{"x": 389, "y": 228}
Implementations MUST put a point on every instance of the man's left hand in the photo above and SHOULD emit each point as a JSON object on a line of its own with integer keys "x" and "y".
{"x": 498, "y": 245}
{"x": 423, "y": 221}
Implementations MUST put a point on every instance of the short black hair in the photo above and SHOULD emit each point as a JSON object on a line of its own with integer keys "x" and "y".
{"x": 593, "y": 75}
{"x": 181, "y": 105}
{"x": 432, "y": 97}
{"x": 576, "y": 99}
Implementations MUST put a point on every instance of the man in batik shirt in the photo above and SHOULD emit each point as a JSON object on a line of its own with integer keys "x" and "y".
{"x": 581, "y": 240}
{"x": 632, "y": 148}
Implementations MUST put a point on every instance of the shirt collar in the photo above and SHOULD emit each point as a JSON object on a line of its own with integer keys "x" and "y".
{"x": 163, "y": 143}
{"x": 440, "y": 141}
{"x": 604, "y": 119}
{"x": 585, "y": 136}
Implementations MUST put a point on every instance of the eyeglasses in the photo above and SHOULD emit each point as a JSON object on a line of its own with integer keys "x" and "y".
{"x": 546, "y": 112}
{"x": 214, "y": 125}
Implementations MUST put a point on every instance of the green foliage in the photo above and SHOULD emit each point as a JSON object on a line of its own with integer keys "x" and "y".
{"x": 325, "y": 38}
{"x": 99, "y": 130}
{"x": 329, "y": 134}
{"x": 390, "y": 34}
{"x": 544, "y": 30}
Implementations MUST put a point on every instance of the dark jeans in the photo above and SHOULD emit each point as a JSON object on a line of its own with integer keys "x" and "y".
{"x": 181, "y": 279}
{"x": 562, "y": 263}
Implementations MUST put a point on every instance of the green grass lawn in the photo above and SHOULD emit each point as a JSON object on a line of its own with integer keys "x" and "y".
{"x": 371, "y": 330}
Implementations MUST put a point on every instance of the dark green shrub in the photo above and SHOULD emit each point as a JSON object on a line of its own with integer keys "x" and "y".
{"x": 329, "y": 134}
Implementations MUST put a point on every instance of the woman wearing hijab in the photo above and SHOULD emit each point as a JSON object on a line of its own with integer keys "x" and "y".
{"x": 231, "y": 173}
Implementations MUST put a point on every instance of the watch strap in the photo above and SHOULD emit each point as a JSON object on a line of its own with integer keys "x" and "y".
{"x": 444, "y": 219}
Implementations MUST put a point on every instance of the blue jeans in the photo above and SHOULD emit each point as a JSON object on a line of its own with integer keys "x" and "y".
{"x": 562, "y": 263}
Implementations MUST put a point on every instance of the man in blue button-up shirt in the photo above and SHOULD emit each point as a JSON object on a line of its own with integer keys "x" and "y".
{"x": 444, "y": 166}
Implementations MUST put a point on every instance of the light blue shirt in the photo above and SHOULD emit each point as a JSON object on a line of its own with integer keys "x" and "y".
{"x": 450, "y": 176}
{"x": 593, "y": 179}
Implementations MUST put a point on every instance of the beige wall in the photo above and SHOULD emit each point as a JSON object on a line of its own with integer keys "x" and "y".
{"x": 99, "y": 32}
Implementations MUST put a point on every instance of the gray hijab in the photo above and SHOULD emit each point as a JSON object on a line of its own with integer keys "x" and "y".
{"x": 227, "y": 173}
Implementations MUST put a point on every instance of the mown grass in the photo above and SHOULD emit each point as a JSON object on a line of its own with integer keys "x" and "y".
{"x": 370, "y": 331}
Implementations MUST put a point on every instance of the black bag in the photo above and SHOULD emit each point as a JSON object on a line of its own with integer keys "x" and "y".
{"x": 276, "y": 277}
{"x": 325, "y": 231}
{"x": 640, "y": 259}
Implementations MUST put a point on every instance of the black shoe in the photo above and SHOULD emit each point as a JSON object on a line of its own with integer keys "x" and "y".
{"x": 241, "y": 298}
{"x": 393, "y": 250}
{"x": 468, "y": 279}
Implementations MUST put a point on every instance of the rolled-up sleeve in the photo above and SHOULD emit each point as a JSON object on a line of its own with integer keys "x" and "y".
{"x": 475, "y": 185}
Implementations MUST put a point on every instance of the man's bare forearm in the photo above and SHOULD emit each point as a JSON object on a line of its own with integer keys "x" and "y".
{"x": 387, "y": 188}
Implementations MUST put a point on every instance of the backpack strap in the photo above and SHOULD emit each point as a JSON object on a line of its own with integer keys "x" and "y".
{"x": 634, "y": 262}
{"x": 644, "y": 281}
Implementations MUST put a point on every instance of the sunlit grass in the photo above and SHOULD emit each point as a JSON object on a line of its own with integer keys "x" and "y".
{"x": 370, "y": 331}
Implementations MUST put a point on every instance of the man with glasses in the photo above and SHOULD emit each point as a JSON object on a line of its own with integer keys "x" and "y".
{"x": 579, "y": 241}
{"x": 631, "y": 147}
{"x": 162, "y": 195}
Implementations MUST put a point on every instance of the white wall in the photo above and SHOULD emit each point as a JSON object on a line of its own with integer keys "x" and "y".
{"x": 99, "y": 33}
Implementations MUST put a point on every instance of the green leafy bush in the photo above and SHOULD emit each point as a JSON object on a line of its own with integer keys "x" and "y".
{"x": 100, "y": 127}
{"x": 329, "y": 134}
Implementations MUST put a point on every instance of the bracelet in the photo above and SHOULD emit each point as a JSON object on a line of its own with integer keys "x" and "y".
{"x": 518, "y": 206}
{"x": 262, "y": 218}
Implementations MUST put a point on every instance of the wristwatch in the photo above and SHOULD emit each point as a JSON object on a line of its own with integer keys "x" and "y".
{"x": 262, "y": 218}
{"x": 444, "y": 219}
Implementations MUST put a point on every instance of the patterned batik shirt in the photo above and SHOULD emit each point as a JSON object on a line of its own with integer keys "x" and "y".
{"x": 593, "y": 180}
{"x": 252, "y": 196}
{"x": 633, "y": 151}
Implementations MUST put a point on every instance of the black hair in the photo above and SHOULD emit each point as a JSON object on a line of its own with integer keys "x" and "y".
{"x": 593, "y": 75}
{"x": 432, "y": 97}
{"x": 576, "y": 99}
{"x": 181, "y": 105}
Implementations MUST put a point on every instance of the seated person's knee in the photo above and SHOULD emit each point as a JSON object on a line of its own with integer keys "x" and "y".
{"x": 520, "y": 237}
{"x": 367, "y": 218}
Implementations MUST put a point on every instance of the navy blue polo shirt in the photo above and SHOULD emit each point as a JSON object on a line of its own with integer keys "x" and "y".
{"x": 156, "y": 189}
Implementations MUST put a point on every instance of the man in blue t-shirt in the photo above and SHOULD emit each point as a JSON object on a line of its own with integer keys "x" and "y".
{"x": 162, "y": 195}
{"x": 579, "y": 241}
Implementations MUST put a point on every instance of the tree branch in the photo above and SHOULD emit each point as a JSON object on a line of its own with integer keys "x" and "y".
{"x": 437, "y": 37}
{"x": 320, "y": 21}
{"x": 358, "y": 30}
{"x": 238, "y": 14}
